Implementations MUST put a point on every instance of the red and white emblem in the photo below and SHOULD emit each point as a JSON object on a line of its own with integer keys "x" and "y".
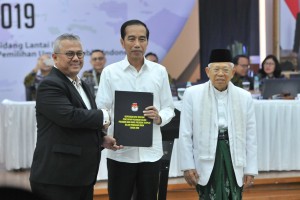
{"x": 134, "y": 107}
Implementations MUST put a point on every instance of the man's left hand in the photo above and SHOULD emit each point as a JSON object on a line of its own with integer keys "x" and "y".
{"x": 152, "y": 113}
{"x": 248, "y": 181}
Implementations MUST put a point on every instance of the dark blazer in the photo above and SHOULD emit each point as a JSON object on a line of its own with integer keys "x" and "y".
{"x": 69, "y": 135}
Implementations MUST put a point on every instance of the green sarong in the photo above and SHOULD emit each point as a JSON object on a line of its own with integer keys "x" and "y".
{"x": 222, "y": 184}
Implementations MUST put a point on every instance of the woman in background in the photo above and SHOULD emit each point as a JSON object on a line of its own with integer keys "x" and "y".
{"x": 270, "y": 68}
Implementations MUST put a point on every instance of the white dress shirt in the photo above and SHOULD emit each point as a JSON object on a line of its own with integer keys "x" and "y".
{"x": 77, "y": 84}
{"x": 152, "y": 77}
{"x": 222, "y": 107}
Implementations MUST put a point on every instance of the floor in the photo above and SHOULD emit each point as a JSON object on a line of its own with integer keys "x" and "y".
{"x": 20, "y": 178}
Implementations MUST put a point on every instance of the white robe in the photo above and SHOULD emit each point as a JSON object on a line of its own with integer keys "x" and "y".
{"x": 199, "y": 131}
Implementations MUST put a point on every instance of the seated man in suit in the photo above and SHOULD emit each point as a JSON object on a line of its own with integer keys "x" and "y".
{"x": 241, "y": 65}
{"x": 92, "y": 76}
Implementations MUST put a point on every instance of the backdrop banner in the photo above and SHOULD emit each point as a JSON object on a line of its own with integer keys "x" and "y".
{"x": 28, "y": 28}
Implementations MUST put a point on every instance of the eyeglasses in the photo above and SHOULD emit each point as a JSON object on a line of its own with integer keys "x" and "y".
{"x": 269, "y": 63}
{"x": 71, "y": 54}
{"x": 216, "y": 70}
{"x": 98, "y": 58}
{"x": 245, "y": 66}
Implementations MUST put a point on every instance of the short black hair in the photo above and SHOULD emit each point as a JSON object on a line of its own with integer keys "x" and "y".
{"x": 133, "y": 22}
{"x": 97, "y": 50}
{"x": 152, "y": 54}
{"x": 235, "y": 60}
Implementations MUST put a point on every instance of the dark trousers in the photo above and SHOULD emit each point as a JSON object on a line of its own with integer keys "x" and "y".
{"x": 123, "y": 177}
{"x": 58, "y": 192}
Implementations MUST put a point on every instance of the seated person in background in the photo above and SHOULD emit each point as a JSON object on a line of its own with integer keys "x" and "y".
{"x": 270, "y": 68}
{"x": 154, "y": 58}
{"x": 92, "y": 76}
{"x": 241, "y": 65}
{"x": 33, "y": 79}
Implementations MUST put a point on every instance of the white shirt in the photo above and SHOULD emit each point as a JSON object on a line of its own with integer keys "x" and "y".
{"x": 153, "y": 78}
{"x": 77, "y": 84}
{"x": 222, "y": 107}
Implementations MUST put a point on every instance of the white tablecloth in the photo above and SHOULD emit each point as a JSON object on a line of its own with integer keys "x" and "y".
{"x": 278, "y": 125}
{"x": 278, "y": 129}
{"x": 17, "y": 133}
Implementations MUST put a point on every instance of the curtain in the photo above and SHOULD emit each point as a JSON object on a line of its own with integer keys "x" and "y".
{"x": 231, "y": 24}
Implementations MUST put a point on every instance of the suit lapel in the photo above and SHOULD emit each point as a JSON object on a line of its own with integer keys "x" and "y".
{"x": 72, "y": 89}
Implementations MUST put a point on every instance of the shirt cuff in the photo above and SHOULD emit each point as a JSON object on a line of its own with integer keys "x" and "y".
{"x": 105, "y": 117}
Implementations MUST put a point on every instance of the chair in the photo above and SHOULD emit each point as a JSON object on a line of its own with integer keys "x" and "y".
{"x": 287, "y": 66}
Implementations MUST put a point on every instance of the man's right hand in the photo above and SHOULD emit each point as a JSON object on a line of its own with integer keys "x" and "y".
{"x": 191, "y": 176}
{"x": 110, "y": 143}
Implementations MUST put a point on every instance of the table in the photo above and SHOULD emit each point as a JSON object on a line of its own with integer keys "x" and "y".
{"x": 17, "y": 133}
{"x": 278, "y": 125}
{"x": 278, "y": 130}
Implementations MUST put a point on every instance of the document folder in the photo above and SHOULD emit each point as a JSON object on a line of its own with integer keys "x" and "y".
{"x": 131, "y": 128}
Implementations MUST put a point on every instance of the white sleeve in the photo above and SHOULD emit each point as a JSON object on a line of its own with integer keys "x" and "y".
{"x": 186, "y": 156}
{"x": 166, "y": 111}
{"x": 104, "y": 97}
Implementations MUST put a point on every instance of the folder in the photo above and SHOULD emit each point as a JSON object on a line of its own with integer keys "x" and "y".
{"x": 131, "y": 128}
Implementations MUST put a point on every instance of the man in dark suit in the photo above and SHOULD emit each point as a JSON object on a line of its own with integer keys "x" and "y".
{"x": 242, "y": 65}
{"x": 67, "y": 155}
{"x": 92, "y": 76}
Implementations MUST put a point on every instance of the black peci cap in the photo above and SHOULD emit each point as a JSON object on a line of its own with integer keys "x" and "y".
{"x": 220, "y": 55}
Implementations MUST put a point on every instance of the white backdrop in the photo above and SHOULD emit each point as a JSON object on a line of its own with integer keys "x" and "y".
{"x": 28, "y": 28}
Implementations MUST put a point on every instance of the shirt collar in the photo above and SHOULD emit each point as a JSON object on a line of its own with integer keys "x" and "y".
{"x": 77, "y": 81}
{"x": 220, "y": 94}
{"x": 125, "y": 64}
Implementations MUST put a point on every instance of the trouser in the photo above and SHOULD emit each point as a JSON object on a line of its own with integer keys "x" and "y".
{"x": 58, "y": 192}
{"x": 222, "y": 184}
{"x": 123, "y": 177}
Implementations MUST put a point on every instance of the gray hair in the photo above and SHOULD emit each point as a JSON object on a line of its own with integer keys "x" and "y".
{"x": 230, "y": 63}
{"x": 66, "y": 36}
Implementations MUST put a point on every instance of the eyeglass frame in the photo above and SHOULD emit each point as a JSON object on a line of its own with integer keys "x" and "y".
{"x": 244, "y": 66}
{"x": 74, "y": 53}
{"x": 98, "y": 58}
{"x": 269, "y": 63}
